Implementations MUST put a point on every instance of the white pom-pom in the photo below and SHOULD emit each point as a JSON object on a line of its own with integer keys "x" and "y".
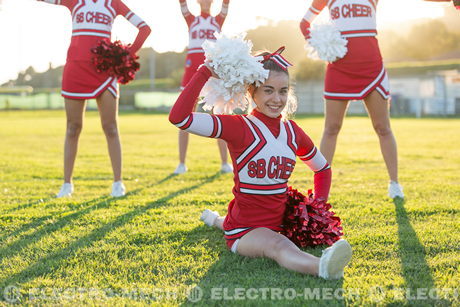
{"x": 326, "y": 43}
{"x": 231, "y": 60}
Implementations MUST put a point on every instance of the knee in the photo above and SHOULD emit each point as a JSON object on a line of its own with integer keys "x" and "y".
{"x": 332, "y": 129}
{"x": 73, "y": 129}
{"x": 382, "y": 130}
{"x": 276, "y": 247}
{"x": 110, "y": 130}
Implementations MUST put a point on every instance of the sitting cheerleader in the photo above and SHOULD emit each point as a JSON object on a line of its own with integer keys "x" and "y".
{"x": 263, "y": 146}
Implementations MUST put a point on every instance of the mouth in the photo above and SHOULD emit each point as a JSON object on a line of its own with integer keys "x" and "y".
{"x": 275, "y": 108}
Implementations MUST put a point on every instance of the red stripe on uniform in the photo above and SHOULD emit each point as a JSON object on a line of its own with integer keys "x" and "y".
{"x": 332, "y": 2}
{"x": 214, "y": 23}
{"x": 195, "y": 22}
{"x": 111, "y": 10}
{"x": 373, "y": 4}
{"x": 76, "y": 9}
{"x": 310, "y": 156}
{"x": 215, "y": 127}
{"x": 358, "y": 31}
{"x": 91, "y": 30}
{"x": 188, "y": 123}
{"x": 237, "y": 235}
{"x": 310, "y": 9}
{"x": 129, "y": 15}
{"x": 324, "y": 168}
{"x": 289, "y": 140}
{"x": 259, "y": 146}
{"x": 383, "y": 89}
{"x": 263, "y": 187}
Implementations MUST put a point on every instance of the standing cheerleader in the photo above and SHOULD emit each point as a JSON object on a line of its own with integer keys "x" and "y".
{"x": 360, "y": 74}
{"x": 201, "y": 28}
{"x": 91, "y": 22}
{"x": 263, "y": 147}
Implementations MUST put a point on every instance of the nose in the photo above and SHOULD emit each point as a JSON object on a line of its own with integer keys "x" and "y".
{"x": 277, "y": 97}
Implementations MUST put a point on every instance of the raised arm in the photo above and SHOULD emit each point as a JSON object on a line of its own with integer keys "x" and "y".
{"x": 316, "y": 7}
{"x": 315, "y": 160}
{"x": 185, "y": 12}
{"x": 223, "y": 12}
{"x": 144, "y": 29}
{"x": 226, "y": 127}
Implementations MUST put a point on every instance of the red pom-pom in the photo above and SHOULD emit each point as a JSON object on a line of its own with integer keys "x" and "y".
{"x": 116, "y": 59}
{"x": 308, "y": 221}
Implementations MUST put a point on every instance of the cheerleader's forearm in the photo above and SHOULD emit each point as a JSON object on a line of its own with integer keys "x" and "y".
{"x": 144, "y": 32}
{"x": 314, "y": 10}
{"x": 186, "y": 101}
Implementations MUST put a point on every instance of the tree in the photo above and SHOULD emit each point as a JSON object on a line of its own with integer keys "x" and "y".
{"x": 309, "y": 69}
{"x": 284, "y": 33}
{"x": 430, "y": 39}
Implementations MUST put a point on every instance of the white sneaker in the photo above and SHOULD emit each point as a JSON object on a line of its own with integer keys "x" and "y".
{"x": 180, "y": 169}
{"x": 334, "y": 260}
{"x": 395, "y": 190}
{"x": 226, "y": 168}
{"x": 66, "y": 190}
{"x": 209, "y": 217}
{"x": 118, "y": 189}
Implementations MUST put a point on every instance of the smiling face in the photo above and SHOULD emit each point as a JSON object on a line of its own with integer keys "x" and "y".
{"x": 271, "y": 97}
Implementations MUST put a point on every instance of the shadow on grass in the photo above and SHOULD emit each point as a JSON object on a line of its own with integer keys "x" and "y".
{"x": 36, "y": 222}
{"x": 94, "y": 204}
{"x": 28, "y": 205}
{"x": 53, "y": 261}
{"x": 45, "y": 200}
{"x": 415, "y": 269}
{"x": 235, "y": 280}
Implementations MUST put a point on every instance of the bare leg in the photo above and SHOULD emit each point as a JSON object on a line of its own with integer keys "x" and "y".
{"x": 334, "y": 113}
{"x": 74, "y": 111}
{"x": 223, "y": 150}
{"x": 378, "y": 109}
{"x": 183, "y": 144}
{"x": 263, "y": 242}
{"x": 108, "y": 111}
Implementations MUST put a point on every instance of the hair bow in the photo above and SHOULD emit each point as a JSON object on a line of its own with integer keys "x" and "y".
{"x": 278, "y": 58}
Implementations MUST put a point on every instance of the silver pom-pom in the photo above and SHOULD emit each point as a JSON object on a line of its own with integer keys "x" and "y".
{"x": 326, "y": 43}
{"x": 231, "y": 60}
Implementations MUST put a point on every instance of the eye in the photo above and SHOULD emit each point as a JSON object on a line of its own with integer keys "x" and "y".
{"x": 284, "y": 91}
{"x": 268, "y": 91}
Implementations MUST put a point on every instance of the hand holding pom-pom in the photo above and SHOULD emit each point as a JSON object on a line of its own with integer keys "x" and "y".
{"x": 326, "y": 43}
{"x": 308, "y": 221}
{"x": 231, "y": 60}
{"x": 117, "y": 59}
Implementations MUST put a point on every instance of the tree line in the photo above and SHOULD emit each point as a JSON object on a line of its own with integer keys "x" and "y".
{"x": 429, "y": 40}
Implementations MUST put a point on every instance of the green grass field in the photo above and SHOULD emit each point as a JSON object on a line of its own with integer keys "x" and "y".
{"x": 149, "y": 247}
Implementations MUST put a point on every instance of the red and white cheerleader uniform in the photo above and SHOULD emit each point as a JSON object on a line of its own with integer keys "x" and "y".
{"x": 263, "y": 152}
{"x": 92, "y": 21}
{"x": 200, "y": 28}
{"x": 361, "y": 70}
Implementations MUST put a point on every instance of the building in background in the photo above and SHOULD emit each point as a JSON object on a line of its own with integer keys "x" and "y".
{"x": 433, "y": 94}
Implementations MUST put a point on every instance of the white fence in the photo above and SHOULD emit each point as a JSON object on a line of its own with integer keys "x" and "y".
{"x": 434, "y": 94}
